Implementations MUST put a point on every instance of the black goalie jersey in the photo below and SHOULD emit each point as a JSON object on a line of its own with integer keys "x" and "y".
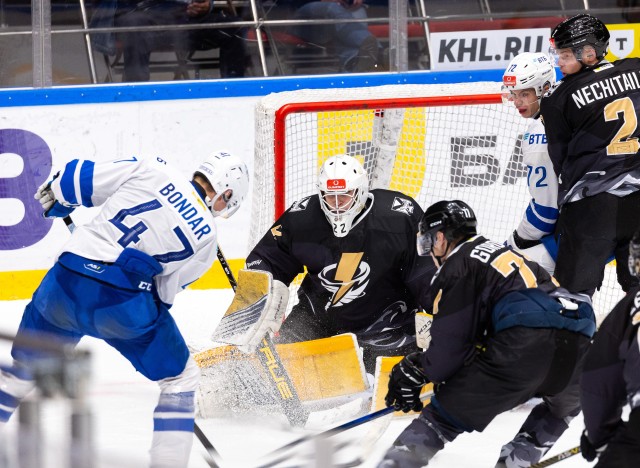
{"x": 591, "y": 120}
{"x": 369, "y": 282}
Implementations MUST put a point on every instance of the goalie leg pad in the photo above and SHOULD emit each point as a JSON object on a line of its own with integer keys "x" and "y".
{"x": 327, "y": 369}
{"x": 257, "y": 309}
{"x": 384, "y": 364}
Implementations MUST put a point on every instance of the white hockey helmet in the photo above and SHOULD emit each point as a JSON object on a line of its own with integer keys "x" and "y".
{"x": 529, "y": 70}
{"x": 343, "y": 186}
{"x": 224, "y": 171}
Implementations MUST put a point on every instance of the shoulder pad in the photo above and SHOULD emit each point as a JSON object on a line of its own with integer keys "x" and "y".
{"x": 300, "y": 205}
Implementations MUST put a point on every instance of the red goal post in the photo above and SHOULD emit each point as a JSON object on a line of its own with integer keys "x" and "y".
{"x": 432, "y": 142}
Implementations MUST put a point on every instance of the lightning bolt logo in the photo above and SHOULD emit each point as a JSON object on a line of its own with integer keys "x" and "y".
{"x": 347, "y": 267}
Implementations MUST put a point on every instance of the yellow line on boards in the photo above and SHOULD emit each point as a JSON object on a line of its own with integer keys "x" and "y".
{"x": 16, "y": 285}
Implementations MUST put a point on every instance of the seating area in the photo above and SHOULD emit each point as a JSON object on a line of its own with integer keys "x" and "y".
{"x": 272, "y": 49}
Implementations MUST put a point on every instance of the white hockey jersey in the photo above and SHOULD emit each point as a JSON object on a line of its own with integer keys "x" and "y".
{"x": 542, "y": 213}
{"x": 147, "y": 206}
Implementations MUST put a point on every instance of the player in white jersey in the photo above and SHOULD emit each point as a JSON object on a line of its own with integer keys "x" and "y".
{"x": 526, "y": 79}
{"x": 117, "y": 277}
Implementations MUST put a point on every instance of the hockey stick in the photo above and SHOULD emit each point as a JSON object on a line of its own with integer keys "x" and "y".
{"x": 556, "y": 458}
{"x": 211, "y": 450}
{"x": 333, "y": 431}
{"x": 269, "y": 358}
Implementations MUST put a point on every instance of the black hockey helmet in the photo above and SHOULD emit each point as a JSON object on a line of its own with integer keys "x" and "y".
{"x": 581, "y": 30}
{"x": 634, "y": 255}
{"x": 454, "y": 218}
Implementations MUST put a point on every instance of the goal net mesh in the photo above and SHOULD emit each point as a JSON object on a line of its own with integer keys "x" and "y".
{"x": 432, "y": 142}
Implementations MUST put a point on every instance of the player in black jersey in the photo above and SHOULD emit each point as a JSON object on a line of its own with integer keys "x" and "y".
{"x": 502, "y": 333}
{"x": 591, "y": 120}
{"x": 611, "y": 380}
{"x": 363, "y": 273}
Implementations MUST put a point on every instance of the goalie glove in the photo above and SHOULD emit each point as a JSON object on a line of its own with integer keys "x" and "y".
{"x": 258, "y": 308}
{"x": 51, "y": 207}
{"x": 405, "y": 383}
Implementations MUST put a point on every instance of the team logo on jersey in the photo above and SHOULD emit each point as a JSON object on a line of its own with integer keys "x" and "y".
{"x": 402, "y": 205}
{"x": 346, "y": 280}
{"x": 300, "y": 205}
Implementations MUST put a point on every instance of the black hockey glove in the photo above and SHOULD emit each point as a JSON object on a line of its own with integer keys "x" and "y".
{"x": 405, "y": 383}
{"x": 590, "y": 451}
{"x": 520, "y": 242}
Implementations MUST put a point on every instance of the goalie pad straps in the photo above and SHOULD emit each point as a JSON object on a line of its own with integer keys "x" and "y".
{"x": 257, "y": 309}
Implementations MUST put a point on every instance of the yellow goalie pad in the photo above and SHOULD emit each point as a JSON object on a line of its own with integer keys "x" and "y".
{"x": 384, "y": 364}
{"x": 324, "y": 368}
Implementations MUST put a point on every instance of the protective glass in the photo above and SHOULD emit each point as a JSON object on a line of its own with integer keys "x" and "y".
{"x": 424, "y": 243}
{"x": 564, "y": 55}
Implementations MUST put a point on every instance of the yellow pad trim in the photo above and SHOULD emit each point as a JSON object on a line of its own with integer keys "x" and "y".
{"x": 253, "y": 285}
{"x": 384, "y": 364}
{"x": 319, "y": 369}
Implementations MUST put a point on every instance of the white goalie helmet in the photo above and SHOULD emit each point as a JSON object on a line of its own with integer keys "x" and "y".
{"x": 529, "y": 70}
{"x": 225, "y": 171}
{"x": 343, "y": 186}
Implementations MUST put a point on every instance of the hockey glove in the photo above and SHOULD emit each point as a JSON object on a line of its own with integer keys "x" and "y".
{"x": 405, "y": 383}
{"x": 51, "y": 207}
{"x": 588, "y": 449}
{"x": 520, "y": 243}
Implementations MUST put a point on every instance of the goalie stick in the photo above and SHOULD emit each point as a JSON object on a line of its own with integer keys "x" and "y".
{"x": 556, "y": 458}
{"x": 270, "y": 360}
{"x": 214, "y": 456}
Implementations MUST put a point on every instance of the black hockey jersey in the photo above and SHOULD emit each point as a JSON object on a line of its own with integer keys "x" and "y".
{"x": 611, "y": 375}
{"x": 476, "y": 275}
{"x": 591, "y": 121}
{"x": 368, "y": 282}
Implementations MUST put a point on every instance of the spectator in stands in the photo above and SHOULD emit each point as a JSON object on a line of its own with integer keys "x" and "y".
{"x": 357, "y": 49}
{"x": 138, "y": 45}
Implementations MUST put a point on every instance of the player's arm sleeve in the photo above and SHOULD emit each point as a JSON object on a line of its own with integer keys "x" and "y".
{"x": 540, "y": 217}
{"x": 558, "y": 134}
{"x": 274, "y": 253}
{"x": 88, "y": 183}
{"x": 452, "y": 330}
{"x": 602, "y": 386}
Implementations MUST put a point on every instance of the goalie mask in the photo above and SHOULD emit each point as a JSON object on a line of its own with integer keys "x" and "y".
{"x": 225, "y": 172}
{"x": 528, "y": 70}
{"x": 634, "y": 255}
{"x": 454, "y": 218}
{"x": 343, "y": 186}
{"x": 579, "y": 31}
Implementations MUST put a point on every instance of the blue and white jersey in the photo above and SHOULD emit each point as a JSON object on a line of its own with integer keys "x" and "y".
{"x": 542, "y": 213}
{"x": 147, "y": 206}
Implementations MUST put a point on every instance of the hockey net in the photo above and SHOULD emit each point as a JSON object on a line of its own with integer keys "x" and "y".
{"x": 432, "y": 142}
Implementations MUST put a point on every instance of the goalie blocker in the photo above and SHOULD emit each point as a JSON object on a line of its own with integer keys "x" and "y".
{"x": 257, "y": 309}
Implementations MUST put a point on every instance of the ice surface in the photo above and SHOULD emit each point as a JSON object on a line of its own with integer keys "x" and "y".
{"x": 122, "y": 402}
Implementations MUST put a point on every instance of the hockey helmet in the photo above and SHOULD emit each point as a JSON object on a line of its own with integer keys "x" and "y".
{"x": 225, "y": 171}
{"x": 343, "y": 187}
{"x": 454, "y": 218}
{"x": 634, "y": 254}
{"x": 578, "y": 31}
{"x": 528, "y": 70}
